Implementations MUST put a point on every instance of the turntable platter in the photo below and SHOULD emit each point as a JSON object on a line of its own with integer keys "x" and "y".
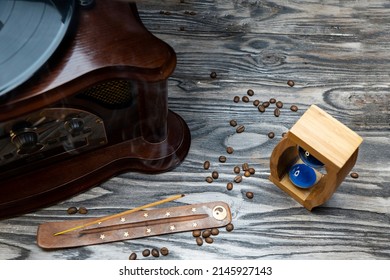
{"x": 30, "y": 32}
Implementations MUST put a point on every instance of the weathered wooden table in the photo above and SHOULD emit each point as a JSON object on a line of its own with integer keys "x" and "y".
{"x": 338, "y": 55}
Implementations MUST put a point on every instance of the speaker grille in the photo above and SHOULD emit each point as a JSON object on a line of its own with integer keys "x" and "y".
{"x": 112, "y": 93}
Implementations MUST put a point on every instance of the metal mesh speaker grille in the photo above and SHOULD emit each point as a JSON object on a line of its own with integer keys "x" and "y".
{"x": 111, "y": 93}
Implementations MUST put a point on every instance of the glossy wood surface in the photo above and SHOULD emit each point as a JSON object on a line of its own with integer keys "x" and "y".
{"x": 336, "y": 52}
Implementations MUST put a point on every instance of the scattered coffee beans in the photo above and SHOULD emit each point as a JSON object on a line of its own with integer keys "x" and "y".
{"x": 146, "y": 253}
{"x": 196, "y": 233}
{"x": 206, "y": 233}
{"x": 252, "y": 170}
{"x": 213, "y": 75}
{"x": 290, "y": 83}
{"x": 354, "y": 175}
{"x": 279, "y": 104}
{"x": 238, "y": 179}
{"x": 209, "y": 240}
{"x": 222, "y": 159}
{"x": 236, "y": 99}
{"x": 245, "y": 166}
{"x": 247, "y": 173}
{"x": 206, "y": 165}
{"x": 276, "y": 112}
{"x": 261, "y": 108}
{"x": 214, "y": 231}
{"x": 256, "y": 102}
{"x": 155, "y": 253}
{"x": 240, "y": 129}
{"x": 199, "y": 241}
{"x": 215, "y": 174}
{"x": 294, "y": 108}
{"x": 83, "y": 210}
{"x": 209, "y": 179}
{"x": 245, "y": 99}
{"x": 233, "y": 123}
{"x": 72, "y": 210}
{"x": 133, "y": 256}
{"x": 229, "y": 150}
{"x": 236, "y": 169}
{"x": 229, "y": 186}
{"x": 250, "y": 92}
{"x": 164, "y": 251}
{"x": 272, "y": 100}
{"x": 266, "y": 104}
{"x": 249, "y": 195}
{"x": 229, "y": 227}
{"x": 271, "y": 135}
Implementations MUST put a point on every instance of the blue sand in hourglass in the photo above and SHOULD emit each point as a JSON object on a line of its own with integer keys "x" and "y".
{"x": 309, "y": 159}
{"x": 302, "y": 176}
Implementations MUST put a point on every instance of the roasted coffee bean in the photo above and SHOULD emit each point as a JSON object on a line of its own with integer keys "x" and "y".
{"x": 250, "y": 92}
{"x": 354, "y": 175}
{"x": 272, "y": 100}
{"x": 206, "y": 165}
{"x": 245, "y": 166}
{"x": 146, "y": 253}
{"x": 209, "y": 179}
{"x": 155, "y": 253}
{"x": 245, "y": 99}
{"x": 206, "y": 233}
{"x": 229, "y": 186}
{"x": 233, "y": 123}
{"x": 236, "y": 169}
{"x": 284, "y": 134}
{"x": 261, "y": 108}
{"x": 294, "y": 108}
{"x": 266, "y": 104}
{"x": 229, "y": 150}
{"x": 247, "y": 173}
{"x": 209, "y": 240}
{"x": 256, "y": 102}
{"x": 133, "y": 256}
{"x": 213, "y": 75}
{"x": 290, "y": 83}
{"x": 236, "y": 99}
{"x": 238, "y": 179}
{"x": 271, "y": 135}
{"x": 276, "y": 112}
{"x": 215, "y": 174}
{"x": 240, "y": 129}
{"x": 229, "y": 227}
{"x": 249, "y": 195}
{"x": 196, "y": 233}
{"x": 164, "y": 251}
{"x": 72, "y": 210}
{"x": 214, "y": 231}
{"x": 222, "y": 159}
{"x": 83, "y": 210}
{"x": 252, "y": 170}
{"x": 279, "y": 104}
{"x": 199, "y": 241}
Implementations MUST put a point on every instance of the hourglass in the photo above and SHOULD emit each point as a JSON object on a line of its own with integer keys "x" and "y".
{"x": 314, "y": 157}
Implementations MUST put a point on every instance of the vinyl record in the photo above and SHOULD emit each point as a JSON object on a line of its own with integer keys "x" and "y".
{"x": 30, "y": 32}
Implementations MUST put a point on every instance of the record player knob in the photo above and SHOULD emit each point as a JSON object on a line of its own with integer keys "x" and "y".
{"x": 74, "y": 125}
{"x": 25, "y": 138}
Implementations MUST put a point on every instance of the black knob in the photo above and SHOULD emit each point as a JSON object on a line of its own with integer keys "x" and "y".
{"x": 74, "y": 125}
{"x": 26, "y": 141}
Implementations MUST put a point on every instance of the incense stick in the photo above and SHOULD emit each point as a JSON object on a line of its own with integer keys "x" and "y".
{"x": 121, "y": 214}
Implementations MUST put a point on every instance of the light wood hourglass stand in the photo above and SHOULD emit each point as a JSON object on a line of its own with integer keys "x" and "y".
{"x": 326, "y": 143}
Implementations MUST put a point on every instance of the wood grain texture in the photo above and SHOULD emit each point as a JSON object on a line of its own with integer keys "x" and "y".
{"x": 338, "y": 55}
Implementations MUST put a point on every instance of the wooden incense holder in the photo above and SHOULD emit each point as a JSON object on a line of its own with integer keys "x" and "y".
{"x": 135, "y": 225}
{"x": 329, "y": 141}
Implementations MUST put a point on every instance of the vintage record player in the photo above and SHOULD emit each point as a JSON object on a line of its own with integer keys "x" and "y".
{"x": 83, "y": 97}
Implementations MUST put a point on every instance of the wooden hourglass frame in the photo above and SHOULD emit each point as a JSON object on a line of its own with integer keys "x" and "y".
{"x": 326, "y": 139}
